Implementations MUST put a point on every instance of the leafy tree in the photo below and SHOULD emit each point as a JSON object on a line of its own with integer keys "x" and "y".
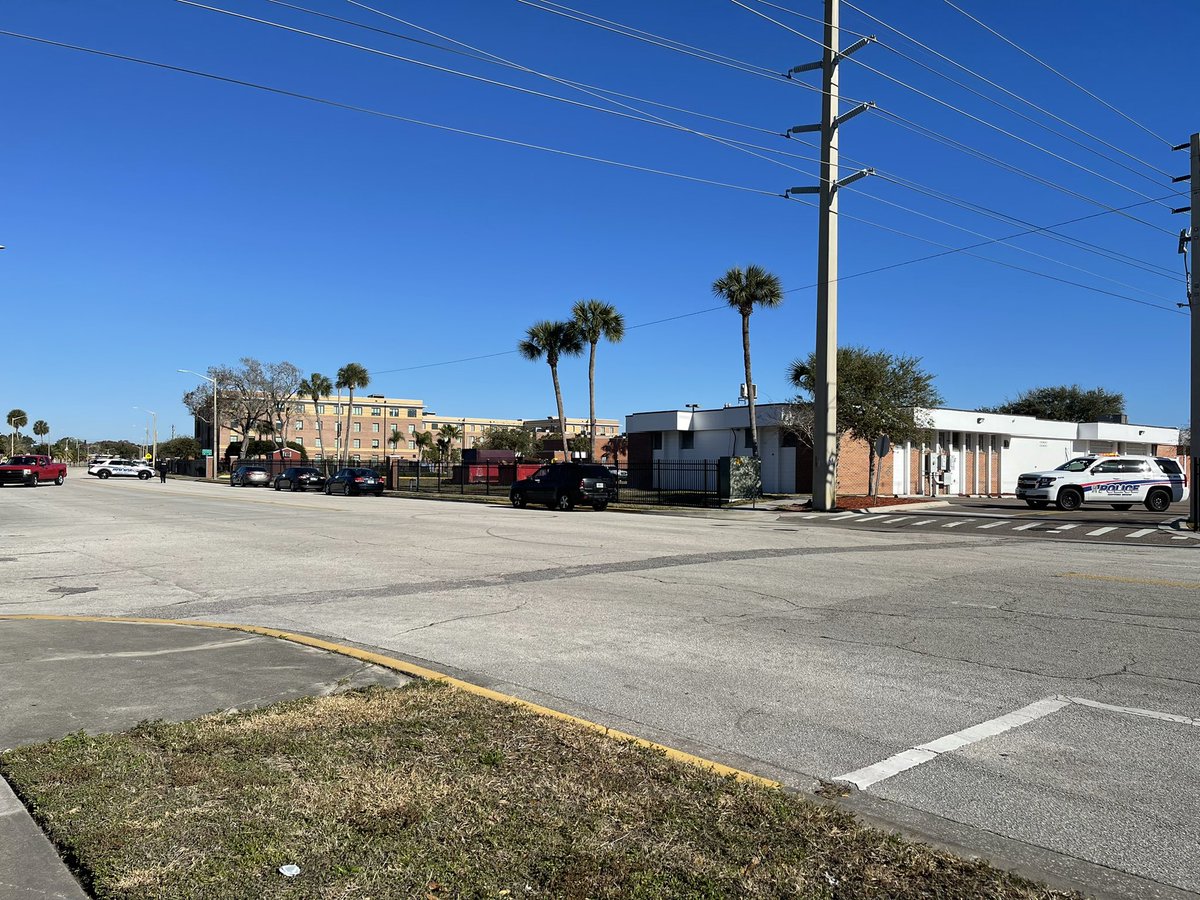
{"x": 17, "y": 419}
{"x": 553, "y": 340}
{"x": 595, "y": 319}
{"x": 41, "y": 429}
{"x": 350, "y": 376}
{"x": 242, "y": 394}
{"x": 180, "y": 448}
{"x": 518, "y": 440}
{"x": 282, "y": 385}
{"x": 425, "y": 442}
{"x": 744, "y": 290}
{"x": 878, "y": 394}
{"x": 1064, "y": 403}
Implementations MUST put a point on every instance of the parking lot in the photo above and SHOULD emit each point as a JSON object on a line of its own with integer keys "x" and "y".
{"x": 1026, "y": 694}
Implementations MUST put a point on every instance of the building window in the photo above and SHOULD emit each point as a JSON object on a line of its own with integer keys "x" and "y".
{"x": 412, "y": 413}
{"x": 687, "y": 440}
{"x": 375, "y": 427}
{"x": 374, "y": 445}
{"x": 357, "y": 444}
{"x": 393, "y": 411}
{"x": 299, "y": 409}
{"x": 320, "y": 409}
{"x": 356, "y": 411}
{"x": 656, "y": 440}
{"x": 317, "y": 442}
{"x": 298, "y": 425}
{"x": 412, "y": 445}
{"x": 356, "y": 426}
{"x": 376, "y": 411}
{"x": 412, "y": 429}
{"x": 300, "y": 441}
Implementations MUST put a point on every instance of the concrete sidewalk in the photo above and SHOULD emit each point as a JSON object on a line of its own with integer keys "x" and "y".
{"x": 57, "y": 678}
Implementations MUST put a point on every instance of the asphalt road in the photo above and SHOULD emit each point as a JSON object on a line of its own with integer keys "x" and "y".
{"x": 1056, "y": 680}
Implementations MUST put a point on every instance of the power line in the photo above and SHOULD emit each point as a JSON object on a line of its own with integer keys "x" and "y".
{"x": 498, "y": 62}
{"x": 1064, "y": 77}
{"x": 950, "y": 106}
{"x": 989, "y": 82}
{"x": 386, "y": 115}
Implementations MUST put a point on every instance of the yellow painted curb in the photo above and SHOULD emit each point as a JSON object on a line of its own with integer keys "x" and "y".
{"x": 416, "y": 671}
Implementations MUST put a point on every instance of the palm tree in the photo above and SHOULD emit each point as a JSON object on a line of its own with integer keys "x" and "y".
{"x": 395, "y": 438}
{"x": 41, "y": 429}
{"x": 316, "y": 386}
{"x": 447, "y": 435}
{"x": 744, "y": 290}
{"x": 424, "y": 441}
{"x": 351, "y": 376}
{"x": 17, "y": 419}
{"x": 594, "y": 320}
{"x": 553, "y": 340}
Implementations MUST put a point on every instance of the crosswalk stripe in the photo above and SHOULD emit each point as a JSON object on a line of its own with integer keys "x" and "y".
{"x": 1065, "y": 527}
{"x": 924, "y": 521}
{"x": 1178, "y": 537}
{"x": 993, "y": 525}
{"x": 870, "y": 518}
{"x": 843, "y": 516}
{"x": 1027, "y": 527}
{"x": 1100, "y": 531}
{"x": 895, "y": 519}
{"x": 955, "y": 524}
{"x": 1141, "y": 532}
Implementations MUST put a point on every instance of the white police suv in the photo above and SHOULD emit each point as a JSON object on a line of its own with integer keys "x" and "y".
{"x": 121, "y": 468}
{"x": 1119, "y": 481}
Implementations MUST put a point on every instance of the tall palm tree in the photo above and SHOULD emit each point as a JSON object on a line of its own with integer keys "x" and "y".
{"x": 447, "y": 435}
{"x": 594, "y": 320}
{"x": 744, "y": 290}
{"x": 41, "y": 429}
{"x": 553, "y": 340}
{"x": 17, "y": 419}
{"x": 395, "y": 438}
{"x": 351, "y": 376}
{"x": 318, "y": 387}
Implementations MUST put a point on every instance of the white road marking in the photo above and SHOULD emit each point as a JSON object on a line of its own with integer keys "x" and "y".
{"x": 1100, "y": 531}
{"x": 1141, "y": 532}
{"x": 1065, "y": 527}
{"x": 870, "y": 518}
{"x": 993, "y": 525}
{"x": 955, "y": 524}
{"x": 1027, "y": 527}
{"x": 915, "y": 756}
{"x": 1135, "y": 711}
{"x": 1179, "y": 537}
{"x": 131, "y": 654}
{"x": 843, "y": 516}
{"x": 895, "y": 519}
{"x": 924, "y": 522}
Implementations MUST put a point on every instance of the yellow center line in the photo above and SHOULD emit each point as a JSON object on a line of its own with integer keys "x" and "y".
{"x": 1156, "y": 582}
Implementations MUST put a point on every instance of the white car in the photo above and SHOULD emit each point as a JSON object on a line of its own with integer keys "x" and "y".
{"x": 1119, "y": 481}
{"x": 126, "y": 468}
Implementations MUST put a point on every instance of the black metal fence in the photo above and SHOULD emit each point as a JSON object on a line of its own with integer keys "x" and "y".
{"x": 693, "y": 483}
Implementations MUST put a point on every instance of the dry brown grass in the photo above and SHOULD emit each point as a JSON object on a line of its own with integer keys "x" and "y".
{"x": 427, "y": 791}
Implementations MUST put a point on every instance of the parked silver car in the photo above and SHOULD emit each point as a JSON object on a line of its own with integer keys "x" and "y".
{"x": 245, "y": 476}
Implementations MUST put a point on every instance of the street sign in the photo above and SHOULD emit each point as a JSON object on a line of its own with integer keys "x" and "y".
{"x": 206, "y": 452}
{"x": 883, "y": 446}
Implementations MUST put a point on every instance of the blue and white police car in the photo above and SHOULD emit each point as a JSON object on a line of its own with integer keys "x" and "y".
{"x": 1120, "y": 481}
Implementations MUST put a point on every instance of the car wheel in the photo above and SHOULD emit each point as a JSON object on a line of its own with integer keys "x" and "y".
{"x": 103, "y": 473}
{"x": 328, "y": 491}
{"x": 600, "y": 505}
{"x": 293, "y": 485}
{"x": 142, "y": 476}
{"x": 1122, "y": 506}
{"x": 60, "y": 479}
{"x": 564, "y": 503}
{"x": 1069, "y": 499}
{"x": 1158, "y": 500}
{"x": 277, "y": 487}
{"x": 33, "y": 480}
{"x": 518, "y": 500}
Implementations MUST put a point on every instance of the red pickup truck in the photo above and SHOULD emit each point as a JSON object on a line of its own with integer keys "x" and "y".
{"x": 30, "y": 470}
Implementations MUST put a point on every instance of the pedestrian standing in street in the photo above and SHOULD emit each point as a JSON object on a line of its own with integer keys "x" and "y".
{"x": 162, "y": 471}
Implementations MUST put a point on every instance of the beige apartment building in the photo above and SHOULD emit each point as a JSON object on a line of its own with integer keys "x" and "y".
{"x": 380, "y": 427}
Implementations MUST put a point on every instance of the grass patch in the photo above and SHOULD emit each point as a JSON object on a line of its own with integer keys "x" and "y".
{"x": 430, "y": 792}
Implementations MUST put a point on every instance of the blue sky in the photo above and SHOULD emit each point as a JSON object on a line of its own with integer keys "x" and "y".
{"x": 156, "y": 220}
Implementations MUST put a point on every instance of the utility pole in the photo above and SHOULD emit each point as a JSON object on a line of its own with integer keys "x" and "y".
{"x": 1190, "y": 239}
{"x": 824, "y": 493}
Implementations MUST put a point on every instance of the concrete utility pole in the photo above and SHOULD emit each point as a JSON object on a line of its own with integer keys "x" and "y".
{"x": 824, "y": 496}
{"x": 1192, "y": 240}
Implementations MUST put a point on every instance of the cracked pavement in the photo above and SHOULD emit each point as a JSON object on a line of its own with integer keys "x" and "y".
{"x": 798, "y": 652}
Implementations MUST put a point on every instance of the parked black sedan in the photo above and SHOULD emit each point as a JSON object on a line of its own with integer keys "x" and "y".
{"x": 565, "y": 485}
{"x": 299, "y": 478}
{"x": 355, "y": 481}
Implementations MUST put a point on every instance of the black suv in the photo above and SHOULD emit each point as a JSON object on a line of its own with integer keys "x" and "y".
{"x": 563, "y": 485}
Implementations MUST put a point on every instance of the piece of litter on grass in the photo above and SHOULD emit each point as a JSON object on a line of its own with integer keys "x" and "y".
{"x": 830, "y": 878}
{"x": 289, "y": 870}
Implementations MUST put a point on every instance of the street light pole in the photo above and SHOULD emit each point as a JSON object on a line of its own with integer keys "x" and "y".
{"x": 215, "y": 427}
{"x": 154, "y": 452}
